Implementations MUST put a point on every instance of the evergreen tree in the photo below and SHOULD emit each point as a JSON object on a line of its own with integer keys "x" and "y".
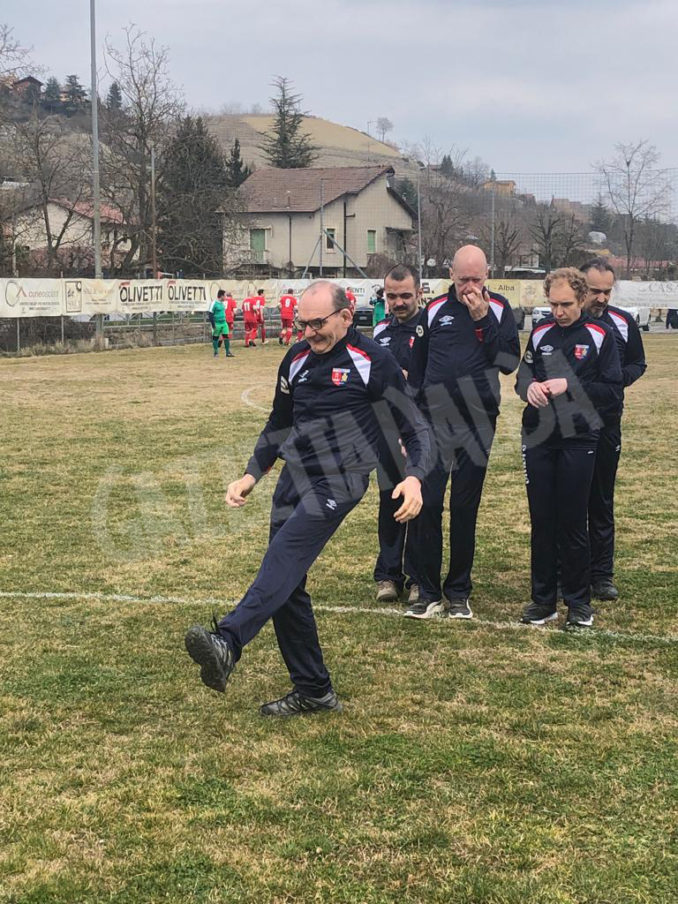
{"x": 114, "y": 98}
{"x": 75, "y": 94}
{"x": 193, "y": 194}
{"x": 407, "y": 190}
{"x": 446, "y": 166}
{"x": 600, "y": 217}
{"x": 287, "y": 146}
{"x": 237, "y": 170}
{"x": 52, "y": 96}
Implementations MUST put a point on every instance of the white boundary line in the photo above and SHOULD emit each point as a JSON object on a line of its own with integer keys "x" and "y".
{"x": 656, "y": 639}
{"x": 245, "y": 397}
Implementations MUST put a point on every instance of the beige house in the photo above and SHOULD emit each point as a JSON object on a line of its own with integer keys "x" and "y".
{"x": 335, "y": 219}
{"x": 71, "y": 226}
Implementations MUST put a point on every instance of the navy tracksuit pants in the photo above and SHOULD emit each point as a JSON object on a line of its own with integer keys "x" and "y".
{"x": 395, "y": 540}
{"x": 558, "y": 477}
{"x": 306, "y": 511}
{"x": 463, "y": 454}
{"x": 601, "y": 502}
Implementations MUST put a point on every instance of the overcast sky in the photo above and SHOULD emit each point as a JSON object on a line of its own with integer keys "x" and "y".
{"x": 527, "y": 85}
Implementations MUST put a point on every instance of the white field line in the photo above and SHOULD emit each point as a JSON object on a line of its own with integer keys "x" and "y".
{"x": 245, "y": 397}
{"x": 652, "y": 639}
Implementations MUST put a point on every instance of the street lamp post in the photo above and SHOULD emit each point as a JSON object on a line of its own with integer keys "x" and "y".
{"x": 419, "y": 222}
{"x": 96, "y": 191}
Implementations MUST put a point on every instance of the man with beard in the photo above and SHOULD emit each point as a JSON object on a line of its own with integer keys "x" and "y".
{"x": 600, "y": 278}
{"x": 396, "y": 333}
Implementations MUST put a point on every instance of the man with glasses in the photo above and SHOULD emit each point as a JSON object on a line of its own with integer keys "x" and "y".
{"x": 396, "y": 333}
{"x": 600, "y": 278}
{"x": 335, "y": 391}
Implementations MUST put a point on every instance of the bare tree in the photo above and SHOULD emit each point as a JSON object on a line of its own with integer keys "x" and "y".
{"x": 150, "y": 104}
{"x": 53, "y": 164}
{"x": 508, "y": 237}
{"x": 558, "y": 237}
{"x": 636, "y": 188}
{"x": 384, "y": 125}
{"x": 444, "y": 218}
{"x": 656, "y": 243}
{"x": 544, "y": 232}
{"x": 13, "y": 57}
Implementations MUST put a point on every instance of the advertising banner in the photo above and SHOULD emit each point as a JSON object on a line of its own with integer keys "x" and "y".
{"x": 31, "y": 297}
{"x": 84, "y": 298}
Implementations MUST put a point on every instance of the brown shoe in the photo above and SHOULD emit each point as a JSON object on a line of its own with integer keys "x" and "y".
{"x": 387, "y": 592}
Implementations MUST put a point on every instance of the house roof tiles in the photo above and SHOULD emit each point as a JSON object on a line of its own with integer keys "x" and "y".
{"x": 272, "y": 190}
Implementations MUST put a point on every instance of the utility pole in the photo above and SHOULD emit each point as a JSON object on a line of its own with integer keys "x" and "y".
{"x": 322, "y": 225}
{"x": 421, "y": 262}
{"x": 96, "y": 190}
{"x": 154, "y": 225}
{"x": 494, "y": 179}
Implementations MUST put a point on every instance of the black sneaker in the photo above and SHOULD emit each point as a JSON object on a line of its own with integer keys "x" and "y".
{"x": 579, "y": 616}
{"x": 604, "y": 590}
{"x": 459, "y": 609}
{"x": 425, "y": 609}
{"x": 297, "y": 704}
{"x": 213, "y": 655}
{"x": 538, "y": 614}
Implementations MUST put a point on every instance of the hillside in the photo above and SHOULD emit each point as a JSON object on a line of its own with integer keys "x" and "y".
{"x": 338, "y": 145}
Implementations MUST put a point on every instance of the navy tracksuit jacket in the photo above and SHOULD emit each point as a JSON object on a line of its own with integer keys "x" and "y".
{"x": 608, "y": 451}
{"x": 559, "y": 448}
{"x": 395, "y": 540}
{"x": 328, "y": 417}
{"x": 454, "y": 375}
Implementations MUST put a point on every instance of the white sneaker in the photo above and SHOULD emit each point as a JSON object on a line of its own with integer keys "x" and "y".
{"x": 425, "y": 609}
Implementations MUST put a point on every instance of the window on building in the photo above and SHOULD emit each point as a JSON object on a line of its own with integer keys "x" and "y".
{"x": 330, "y": 239}
{"x": 371, "y": 241}
{"x": 258, "y": 245}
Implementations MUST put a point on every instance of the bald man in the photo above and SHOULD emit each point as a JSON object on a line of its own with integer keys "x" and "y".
{"x": 462, "y": 341}
{"x": 337, "y": 395}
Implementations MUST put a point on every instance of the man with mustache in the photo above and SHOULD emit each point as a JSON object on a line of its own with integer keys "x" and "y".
{"x": 396, "y": 333}
{"x": 600, "y": 278}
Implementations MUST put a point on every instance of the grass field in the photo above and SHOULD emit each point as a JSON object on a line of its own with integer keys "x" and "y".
{"x": 476, "y": 762}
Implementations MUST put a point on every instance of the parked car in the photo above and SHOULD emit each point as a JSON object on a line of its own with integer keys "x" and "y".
{"x": 540, "y": 313}
{"x": 362, "y": 316}
{"x": 640, "y": 315}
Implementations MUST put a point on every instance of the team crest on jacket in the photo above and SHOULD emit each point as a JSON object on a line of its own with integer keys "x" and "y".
{"x": 340, "y": 375}
{"x": 581, "y": 351}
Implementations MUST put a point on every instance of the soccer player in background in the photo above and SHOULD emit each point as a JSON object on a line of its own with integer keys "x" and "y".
{"x": 220, "y": 330}
{"x": 260, "y": 305}
{"x": 250, "y": 320}
{"x": 287, "y": 304}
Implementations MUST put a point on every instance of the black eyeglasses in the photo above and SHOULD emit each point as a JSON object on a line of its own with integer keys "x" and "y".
{"x": 317, "y": 324}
